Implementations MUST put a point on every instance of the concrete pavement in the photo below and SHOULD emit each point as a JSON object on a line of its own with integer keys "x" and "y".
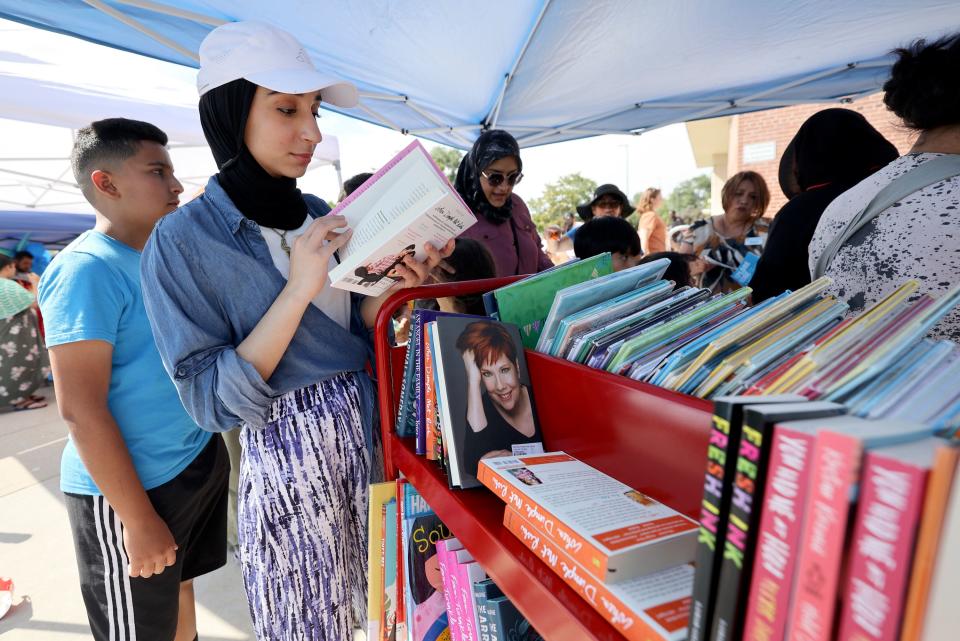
{"x": 36, "y": 549}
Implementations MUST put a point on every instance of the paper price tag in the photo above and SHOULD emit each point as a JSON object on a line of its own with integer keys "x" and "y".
{"x": 527, "y": 449}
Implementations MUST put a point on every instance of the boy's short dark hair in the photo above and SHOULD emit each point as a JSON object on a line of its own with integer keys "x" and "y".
{"x": 22, "y": 254}
{"x": 606, "y": 234}
{"x": 679, "y": 269}
{"x": 351, "y": 184}
{"x": 111, "y": 140}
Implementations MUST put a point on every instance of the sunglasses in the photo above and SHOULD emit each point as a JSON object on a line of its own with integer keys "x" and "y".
{"x": 607, "y": 204}
{"x": 495, "y": 178}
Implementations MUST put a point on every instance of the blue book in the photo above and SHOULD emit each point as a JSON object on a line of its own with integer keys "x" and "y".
{"x": 426, "y": 614}
{"x": 420, "y": 318}
{"x": 509, "y": 623}
{"x": 592, "y": 292}
{"x": 482, "y": 592}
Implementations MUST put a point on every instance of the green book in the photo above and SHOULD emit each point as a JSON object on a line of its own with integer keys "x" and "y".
{"x": 527, "y": 302}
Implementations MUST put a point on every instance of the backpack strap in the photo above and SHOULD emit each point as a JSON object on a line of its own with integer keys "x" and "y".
{"x": 930, "y": 172}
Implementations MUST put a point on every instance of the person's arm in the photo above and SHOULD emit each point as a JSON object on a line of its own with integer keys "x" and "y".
{"x": 81, "y": 372}
{"x": 476, "y": 417}
{"x": 309, "y": 260}
{"x": 412, "y": 272}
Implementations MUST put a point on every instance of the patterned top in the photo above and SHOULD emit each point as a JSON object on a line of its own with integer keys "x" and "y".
{"x": 13, "y": 298}
{"x": 918, "y": 237}
{"x": 723, "y": 254}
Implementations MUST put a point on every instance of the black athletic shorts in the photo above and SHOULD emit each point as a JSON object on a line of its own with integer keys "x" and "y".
{"x": 194, "y": 506}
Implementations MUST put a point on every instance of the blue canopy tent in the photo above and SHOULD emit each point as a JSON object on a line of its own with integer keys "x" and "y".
{"x": 547, "y": 70}
{"x": 38, "y": 232}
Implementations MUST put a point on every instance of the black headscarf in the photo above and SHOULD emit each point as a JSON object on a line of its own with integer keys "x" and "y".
{"x": 832, "y": 151}
{"x": 267, "y": 201}
{"x": 490, "y": 147}
{"x": 839, "y": 146}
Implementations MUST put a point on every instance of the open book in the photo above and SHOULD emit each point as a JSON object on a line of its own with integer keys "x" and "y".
{"x": 401, "y": 207}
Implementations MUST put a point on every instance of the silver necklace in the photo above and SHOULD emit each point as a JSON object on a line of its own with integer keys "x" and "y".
{"x": 283, "y": 239}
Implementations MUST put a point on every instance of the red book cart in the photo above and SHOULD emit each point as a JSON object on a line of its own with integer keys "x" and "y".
{"x": 649, "y": 438}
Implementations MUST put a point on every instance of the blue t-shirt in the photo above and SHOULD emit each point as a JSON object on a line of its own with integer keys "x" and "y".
{"x": 91, "y": 291}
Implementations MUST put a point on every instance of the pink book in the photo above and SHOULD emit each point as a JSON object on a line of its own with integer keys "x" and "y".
{"x": 891, "y": 497}
{"x": 469, "y": 572}
{"x": 449, "y": 592}
{"x": 406, "y": 204}
{"x": 836, "y": 469}
{"x": 788, "y": 478}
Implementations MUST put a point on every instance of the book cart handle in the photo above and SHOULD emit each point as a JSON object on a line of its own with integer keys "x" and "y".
{"x": 384, "y": 371}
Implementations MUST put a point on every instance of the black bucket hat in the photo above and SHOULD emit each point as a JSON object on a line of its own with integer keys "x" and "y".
{"x": 586, "y": 211}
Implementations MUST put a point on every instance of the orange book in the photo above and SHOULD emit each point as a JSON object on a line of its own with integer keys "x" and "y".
{"x": 615, "y": 532}
{"x": 647, "y": 608}
{"x": 928, "y": 540}
{"x": 429, "y": 393}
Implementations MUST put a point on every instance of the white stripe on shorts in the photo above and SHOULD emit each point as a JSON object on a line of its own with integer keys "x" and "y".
{"x": 116, "y": 579}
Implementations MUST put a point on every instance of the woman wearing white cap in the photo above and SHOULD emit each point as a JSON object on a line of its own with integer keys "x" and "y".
{"x": 235, "y": 284}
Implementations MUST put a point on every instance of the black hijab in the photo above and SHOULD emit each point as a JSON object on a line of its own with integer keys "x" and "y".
{"x": 839, "y": 146}
{"x": 267, "y": 201}
{"x": 490, "y": 147}
{"x": 832, "y": 151}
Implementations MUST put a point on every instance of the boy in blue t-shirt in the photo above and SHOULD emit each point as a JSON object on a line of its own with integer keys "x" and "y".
{"x": 145, "y": 488}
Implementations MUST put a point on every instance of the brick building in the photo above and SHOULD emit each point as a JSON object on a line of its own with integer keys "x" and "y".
{"x": 755, "y": 141}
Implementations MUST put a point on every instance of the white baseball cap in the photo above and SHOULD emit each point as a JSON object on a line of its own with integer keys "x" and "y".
{"x": 269, "y": 57}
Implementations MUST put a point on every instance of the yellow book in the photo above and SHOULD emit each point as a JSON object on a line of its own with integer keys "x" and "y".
{"x": 380, "y": 495}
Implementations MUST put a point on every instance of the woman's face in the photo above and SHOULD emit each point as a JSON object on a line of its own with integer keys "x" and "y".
{"x": 608, "y": 205}
{"x": 655, "y": 205}
{"x": 282, "y": 131}
{"x": 9, "y": 271}
{"x": 502, "y": 383}
{"x": 743, "y": 204}
{"x": 505, "y": 167}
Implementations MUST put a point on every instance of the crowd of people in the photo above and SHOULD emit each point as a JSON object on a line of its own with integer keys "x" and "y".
{"x": 170, "y": 322}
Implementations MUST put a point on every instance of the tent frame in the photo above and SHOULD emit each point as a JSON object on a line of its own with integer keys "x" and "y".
{"x": 765, "y": 99}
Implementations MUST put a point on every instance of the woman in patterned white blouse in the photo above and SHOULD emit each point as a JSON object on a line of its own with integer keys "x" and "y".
{"x": 919, "y": 236}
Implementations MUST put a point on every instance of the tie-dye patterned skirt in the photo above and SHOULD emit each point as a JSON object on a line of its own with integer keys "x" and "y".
{"x": 302, "y": 514}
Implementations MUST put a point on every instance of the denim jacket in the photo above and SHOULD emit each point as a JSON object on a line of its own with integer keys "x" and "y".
{"x": 208, "y": 279}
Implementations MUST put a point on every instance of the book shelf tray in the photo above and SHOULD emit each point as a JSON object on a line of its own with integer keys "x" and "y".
{"x": 476, "y": 518}
{"x": 649, "y": 438}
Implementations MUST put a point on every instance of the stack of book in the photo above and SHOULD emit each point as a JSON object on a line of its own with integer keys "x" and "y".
{"x": 819, "y": 525}
{"x": 627, "y": 555}
{"x": 684, "y": 339}
{"x": 466, "y": 393}
{"x": 422, "y": 584}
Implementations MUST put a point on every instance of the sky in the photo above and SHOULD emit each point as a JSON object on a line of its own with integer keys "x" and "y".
{"x": 661, "y": 158}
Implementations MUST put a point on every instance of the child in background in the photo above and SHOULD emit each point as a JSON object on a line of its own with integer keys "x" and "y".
{"x": 145, "y": 489}
{"x": 609, "y": 234}
{"x": 470, "y": 260}
{"x": 684, "y": 269}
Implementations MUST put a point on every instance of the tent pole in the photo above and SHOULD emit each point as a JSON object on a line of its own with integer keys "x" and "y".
{"x": 443, "y": 130}
{"x": 386, "y": 97}
{"x": 170, "y": 11}
{"x": 552, "y": 131}
{"x": 381, "y": 119}
{"x": 43, "y": 178}
{"x": 49, "y": 186}
{"x": 436, "y": 121}
{"x": 492, "y": 121}
{"x": 130, "y": 22}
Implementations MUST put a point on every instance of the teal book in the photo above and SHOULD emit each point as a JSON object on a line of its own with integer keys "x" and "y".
{"x": 509, "y": 623}
{"x": 526, "y": 303}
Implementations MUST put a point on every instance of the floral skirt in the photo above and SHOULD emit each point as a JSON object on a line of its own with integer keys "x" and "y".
{"x": 23, "y": 358}
{"x": 302, "y": 514}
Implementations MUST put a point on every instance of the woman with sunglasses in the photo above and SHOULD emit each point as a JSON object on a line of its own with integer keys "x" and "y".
{"x": 485, "y": 180}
